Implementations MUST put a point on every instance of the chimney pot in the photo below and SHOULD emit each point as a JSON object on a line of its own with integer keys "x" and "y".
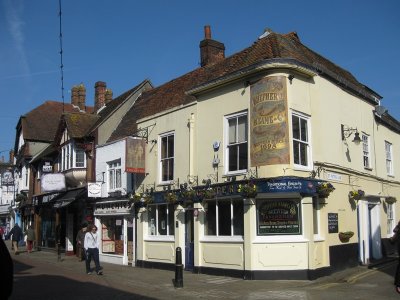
{"x": 207, "y": 32}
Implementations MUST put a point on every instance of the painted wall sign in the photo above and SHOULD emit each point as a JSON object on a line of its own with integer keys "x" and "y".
{"x": 289, "y": 185}
{"x": 269, "y": 138}
{"x": 135, "y": 155}
{"x": 333, "y": 223}
{"x": 52, "y": 182}
{"x": 278, "y": 217}
{"x": 333, "y": 176}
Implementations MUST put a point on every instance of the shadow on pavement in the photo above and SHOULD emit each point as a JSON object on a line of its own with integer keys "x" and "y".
{"x": 40, "y": 286}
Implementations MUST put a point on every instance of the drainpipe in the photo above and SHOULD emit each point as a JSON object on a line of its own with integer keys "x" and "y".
{"x": 191, "y": 144}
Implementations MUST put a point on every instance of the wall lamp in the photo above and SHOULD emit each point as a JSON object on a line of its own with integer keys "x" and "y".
{"x": 347, "y": 132}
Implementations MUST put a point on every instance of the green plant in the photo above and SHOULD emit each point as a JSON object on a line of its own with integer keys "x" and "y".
{"x": 171, "y": 197}
{"x": 324, "y": 189}
{"x": 248, "y": 190}
{"x": 390, "y": 200}
{"x": 356, "y": 194}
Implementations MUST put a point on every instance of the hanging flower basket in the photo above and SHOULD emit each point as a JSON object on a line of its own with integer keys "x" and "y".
{"x": 344, "y": 237}
{"x": 324, "y": 189}
{"x": 248, "y": 190}
{"x": 20, "y": 197}
{"x": 356, "y": 195}
{"x": 171, "y": 198}
{"x": 188, "y": 194}
{"x": 390, "y": 200}
{"x": 135, "y": 197}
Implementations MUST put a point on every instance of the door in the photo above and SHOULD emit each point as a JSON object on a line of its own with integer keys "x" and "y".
{"x": 189, "y": 239}
{"x": 375, "y": 231}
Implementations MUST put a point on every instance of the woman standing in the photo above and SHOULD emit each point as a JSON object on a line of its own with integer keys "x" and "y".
{"x": 30, "y": 238}
{"x": 91, "y": 246}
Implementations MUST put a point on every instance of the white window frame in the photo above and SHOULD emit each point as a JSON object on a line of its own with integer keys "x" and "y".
{"x": 169, "y": 227}
{"x": 114, "y": 175}
{"x": 237, "y": 143}
{"x": 391, "y": 223}
{"x": 161, "y": 160}
{"x": 69, "y": 157}
{"x": 306, "y": 142}
{"x": 389, "y": 158}
{"x": 232, "y": 219}
{"x": 366, "y": 151}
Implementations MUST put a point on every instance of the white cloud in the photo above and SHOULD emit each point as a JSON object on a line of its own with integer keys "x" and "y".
{"x": 13, "y": 15}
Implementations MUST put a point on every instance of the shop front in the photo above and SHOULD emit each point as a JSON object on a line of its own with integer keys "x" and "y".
{"x": 115, "y": 220}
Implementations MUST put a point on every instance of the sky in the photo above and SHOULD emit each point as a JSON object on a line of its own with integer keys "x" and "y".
{"x": 124, "y": 42}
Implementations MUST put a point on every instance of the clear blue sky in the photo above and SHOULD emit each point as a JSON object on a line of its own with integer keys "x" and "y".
{"x": 124, "y": 42}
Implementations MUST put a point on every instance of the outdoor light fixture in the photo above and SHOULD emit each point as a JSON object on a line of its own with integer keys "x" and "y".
{"x": 347, "y": 132}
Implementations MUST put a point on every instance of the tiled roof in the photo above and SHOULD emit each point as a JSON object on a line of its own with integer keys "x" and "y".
{"x": 40, "y": 124}
{"x": 78, "y": 124}
{"x": 272, "y": 47}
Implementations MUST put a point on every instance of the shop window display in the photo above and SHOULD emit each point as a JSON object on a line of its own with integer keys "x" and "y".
{"x": 113, "y": 235}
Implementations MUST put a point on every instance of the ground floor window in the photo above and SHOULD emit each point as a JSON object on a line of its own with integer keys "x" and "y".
{"x": 278, "y": 217}
{"x": 112, "y": 235}
{"x": 390, "y": 218}
{"x": 161, "y": 219}
{"x": 224, "y": 218}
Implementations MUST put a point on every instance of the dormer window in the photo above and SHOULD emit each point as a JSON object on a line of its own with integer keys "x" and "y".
{"x": 72, "y": 157}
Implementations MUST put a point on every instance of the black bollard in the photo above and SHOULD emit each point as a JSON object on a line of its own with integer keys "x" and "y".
{"x": 178, "y": 282}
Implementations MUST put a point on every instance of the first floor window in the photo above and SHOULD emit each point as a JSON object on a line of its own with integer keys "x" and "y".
{"x": 278, "y": 217}
{"x": 167, "y": 157}
{"x": 237, "y": 147}
{"x": 224, "y": 218}
{"x": 114, "y": 175}
{"x": 161, "y": 219}
{"x": 366, "y": 152}
{"x": 300, "y": 140}
{"x": 389, "y": 160}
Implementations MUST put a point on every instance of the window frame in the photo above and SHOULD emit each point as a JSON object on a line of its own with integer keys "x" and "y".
{"x": 237, "y": 144}
{"x": 217, "y": 234}
{"x": 389, "y": 158}
{"x": 69, "y": 152}
{"x": 170, "y": 221}
{"x": 162, "y": 160}
{"x": 365, "y": 141}
{"x": 114, "y": 175}
{"x": 307, "y": 142}
{"x": 391, "y": 223}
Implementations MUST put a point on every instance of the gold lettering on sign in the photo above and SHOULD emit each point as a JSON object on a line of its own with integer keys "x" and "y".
{"x": 269, "y": 140}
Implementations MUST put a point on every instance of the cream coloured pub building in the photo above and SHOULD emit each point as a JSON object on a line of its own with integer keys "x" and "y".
{"x": 271, "y": 163}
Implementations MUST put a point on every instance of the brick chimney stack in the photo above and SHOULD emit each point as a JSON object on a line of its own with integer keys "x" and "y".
{"x": 108, "y": 95}
{"x": 211, "y": 51}
{"x": 81, "y": 97}
{"x": 99, "y": 95}
{"x": 78, "y": 96}
{"x": 74, "y": 96}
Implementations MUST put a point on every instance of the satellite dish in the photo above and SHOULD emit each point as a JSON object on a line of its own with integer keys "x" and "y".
{"x": 380, "y": 110}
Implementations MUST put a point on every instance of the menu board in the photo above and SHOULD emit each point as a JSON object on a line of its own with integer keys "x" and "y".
{"x": 279, "y": 217}
{"x": 333, "y": 223}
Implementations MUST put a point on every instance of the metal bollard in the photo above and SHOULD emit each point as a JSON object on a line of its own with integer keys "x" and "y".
{"x": 178, "y": 282}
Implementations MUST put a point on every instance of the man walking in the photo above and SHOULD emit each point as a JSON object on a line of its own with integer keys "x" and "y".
{"x": 17, "y": 235}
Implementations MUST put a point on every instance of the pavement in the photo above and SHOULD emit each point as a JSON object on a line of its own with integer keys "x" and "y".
{"x": 147, "y": 283}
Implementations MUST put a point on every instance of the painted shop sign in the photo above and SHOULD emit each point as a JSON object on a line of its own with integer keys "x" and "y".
{"x": 113, "y": 208}
{"x": 269, "y": 143}
{"x": 289, "y": 185}
{"x": 278, "y": 217}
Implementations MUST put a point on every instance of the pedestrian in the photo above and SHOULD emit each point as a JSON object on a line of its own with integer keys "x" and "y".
{"x": 80, "y": 240}
{"x": 396, "y": 239}
{"x": 91, "y": 245}
{"x": 16, "y": 233}
{"x": 30, "y": 238}
{"x": 6, "y": 272}
{"x": 1, "y": 232}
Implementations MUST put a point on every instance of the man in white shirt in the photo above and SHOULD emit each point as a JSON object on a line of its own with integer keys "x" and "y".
{"x": 91, "y": 246}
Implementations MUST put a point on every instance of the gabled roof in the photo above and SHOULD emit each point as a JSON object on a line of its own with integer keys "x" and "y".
{"x": 113, "y": 105}
{"x": 273, "y": 47}
{"x": 40, "y": 124}
{"x": 78, "y": 124}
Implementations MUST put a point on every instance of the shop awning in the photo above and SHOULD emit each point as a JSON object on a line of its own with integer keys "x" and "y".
{"x": 67, "y": 198}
